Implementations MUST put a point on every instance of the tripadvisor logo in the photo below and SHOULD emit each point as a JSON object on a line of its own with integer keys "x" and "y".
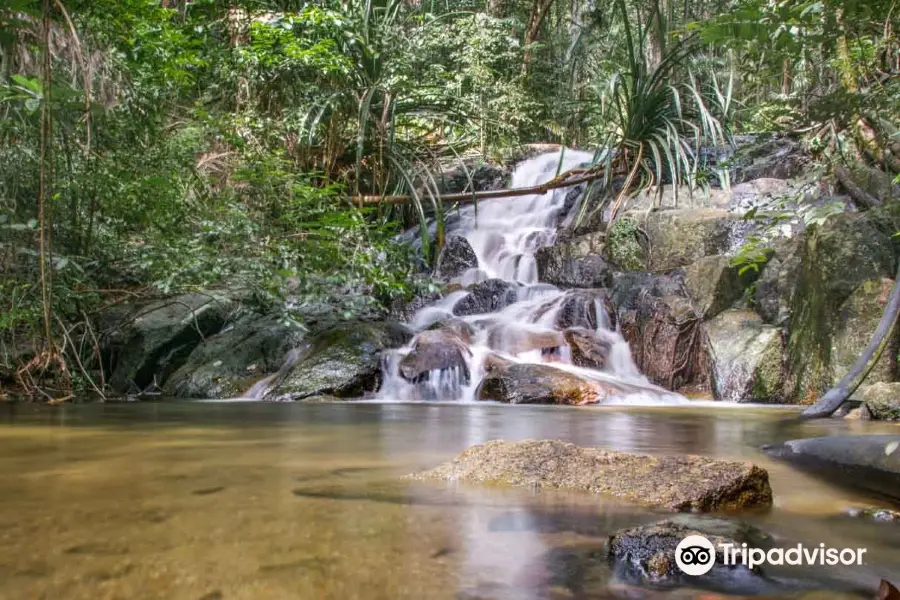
{"x": 696, "y": 555}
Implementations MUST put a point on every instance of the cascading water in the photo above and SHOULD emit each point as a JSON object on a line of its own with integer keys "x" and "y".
{"x": 504, "y": 315}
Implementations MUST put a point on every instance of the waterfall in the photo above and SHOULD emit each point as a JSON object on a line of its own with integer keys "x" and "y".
{"x": 535, "y": 319}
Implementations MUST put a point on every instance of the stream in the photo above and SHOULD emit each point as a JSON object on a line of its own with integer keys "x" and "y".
{"x": 256, "y": 500}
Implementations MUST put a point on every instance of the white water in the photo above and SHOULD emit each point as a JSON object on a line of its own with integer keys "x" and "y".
{"x": 505, "y": 236}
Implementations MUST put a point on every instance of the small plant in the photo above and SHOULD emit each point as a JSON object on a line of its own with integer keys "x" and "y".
{"x": 622, "y": 246}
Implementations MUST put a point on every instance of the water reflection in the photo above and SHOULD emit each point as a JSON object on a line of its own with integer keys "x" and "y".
{"x": 306, "y": 501}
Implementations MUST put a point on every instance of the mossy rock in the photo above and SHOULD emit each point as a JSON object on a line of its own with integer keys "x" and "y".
{"x": 837, "y": 259}
{"x": 344, "y": 361}
{"x": 714, "y": 284}
{"x": 677, "y": 238}
{"x": 227, "y": 364}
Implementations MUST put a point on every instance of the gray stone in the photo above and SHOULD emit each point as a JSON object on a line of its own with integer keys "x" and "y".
{"x": 746, "y": 358}
{"x": 457, "y": 256}
{"x": 487, "y": 297}
{"x": 344, "y": 361}
{"x": 149, "y": 342}
{"x": 226, "y": 364}
{"x": 577, "y": 263}
{"x": 678, "y": 238}
{"x": 678, "y": 483}
{"x": 881, "y": 401}
{"x": 435, "y": 350}
{"x": 869, "y": 462}
{"x": 588, "y": 348}
{"x": 714, "y": 284}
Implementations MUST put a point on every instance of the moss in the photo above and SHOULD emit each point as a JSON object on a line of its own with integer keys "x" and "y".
{"x": 622, "y": 246}
{"x": 768, "y": 379}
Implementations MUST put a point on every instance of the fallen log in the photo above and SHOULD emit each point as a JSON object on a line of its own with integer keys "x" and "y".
{"x": 567, "y": 179}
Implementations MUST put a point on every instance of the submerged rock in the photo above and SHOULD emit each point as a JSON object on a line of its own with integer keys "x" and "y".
{"x": 869, "y": 462}
{"x": 486, "y": 297}
{"x": 646, "y": 554}
{"x": 435, "y": 350}
{"x": 679, "y": 483}
{"x": 226, "y": 364}
{"x": 578, "y": 263}
{"x": 881, "y": 401}
{"x": 344, "y": 361}
{"x": 880, "y": 515}
{"x": 456, "y": 258}
{"x": 746, "y": 356}
{"x": 528, "y": 383}
{"x": 147, "y": 343}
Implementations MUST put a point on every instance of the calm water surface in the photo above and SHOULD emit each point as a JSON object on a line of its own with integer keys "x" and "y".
{"x": 249, "y": 500}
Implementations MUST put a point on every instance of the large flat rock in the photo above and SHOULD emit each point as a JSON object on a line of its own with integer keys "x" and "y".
{"x": 868, "y": 462}
{"x": 679, "y": 483}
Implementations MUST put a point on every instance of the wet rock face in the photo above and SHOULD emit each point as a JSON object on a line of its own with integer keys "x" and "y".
{"x": 663, "y": 329}
{"x": 679, "y": 483}
{"x": 646, "y": 554}
{"x": 588, "y": 348}
{"x": 856, "y": 322}
{"x": 776, "y": 283}
{"x": 527, "y": 383}
{"x": 868, "y": 462}
{"x": 515, "y": 339}
{"x": 714, "y": 284}
{"x": 344, "y": 361}
{"x": 579, "y": 309}
{"x": 832, "y": 300}
{"x": 147, "y": 343}
{"x": 486, "y": 297}
{"x": 881, "y": 401}
{"x": 435, "y": 350}
{"x": 747, "y": 358}
{"x": 578, "y": 263}
{"x": 456, "y": 258}
{"x": 227, "y": 364}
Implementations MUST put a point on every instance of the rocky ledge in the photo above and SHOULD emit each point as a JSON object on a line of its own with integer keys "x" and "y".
{"x": 678, "y": 483}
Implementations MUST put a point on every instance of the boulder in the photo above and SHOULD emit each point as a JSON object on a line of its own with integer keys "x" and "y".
{"x": 677, "y": 238}
{"x": 457, "y": 327}
{"x": 457, "y": 257}
{"x": 344, "y": 361}
{"x": 147, "y": 343}
{"x": 516, "y": 339}
{"x": 403, "y": 309}
{"x": 579, "y": 308}
{"x": 868, "y": 462}
{"x": 646, "y": 554}
{"x": 746, "y": 358}
{"x": 880, "y": 401}
{"x": 837, "y": 258}
{"x": 474, "y": 174}
{"x": 578, "y": 263}
{"x": 856, "y": 322}
{"x": 487, "y": 297}
{"x": 588, "y": 348}
{"x": 714, "y": 284}
{"x": 777, "y": 281}
{"x": 664, "y": 331}
{"x": 435, "y": 350}
{"x": 678, "y": 483}
{"x": 529, "y": 383}
{"x": 226, "y": 364}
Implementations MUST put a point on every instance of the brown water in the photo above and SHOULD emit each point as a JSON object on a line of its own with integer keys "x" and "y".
{"x": 251, "y": 500}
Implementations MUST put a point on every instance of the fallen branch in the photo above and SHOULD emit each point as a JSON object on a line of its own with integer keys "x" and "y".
{"x": 839, "y": 394}
{"x": 859, "y": 195}
{"x": 567, "y": 179}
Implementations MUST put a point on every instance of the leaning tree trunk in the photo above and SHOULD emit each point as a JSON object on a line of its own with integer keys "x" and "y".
{"x": 839, "y": 394}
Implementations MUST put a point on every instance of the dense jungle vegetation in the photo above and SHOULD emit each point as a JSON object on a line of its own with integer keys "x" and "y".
{"x": 152, "y": 147}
